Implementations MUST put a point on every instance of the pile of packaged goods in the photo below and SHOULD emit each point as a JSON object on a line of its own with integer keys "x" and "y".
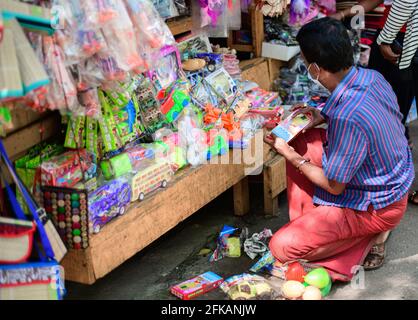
{"x": 295, "y": 86}
{"x": 136, "y": 106}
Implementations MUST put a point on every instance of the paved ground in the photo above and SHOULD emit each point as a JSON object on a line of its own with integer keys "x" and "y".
{"x": 175, "y": 257}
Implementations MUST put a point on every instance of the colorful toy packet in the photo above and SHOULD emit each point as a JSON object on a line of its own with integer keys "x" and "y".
{"x": 197, "y": 286}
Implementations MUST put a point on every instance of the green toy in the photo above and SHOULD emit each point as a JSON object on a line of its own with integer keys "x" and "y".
{"x": 318, "y": 278}
{"x": 116, "y": 166}
{"x": 75, "y": 136}
{"x": 91, "y": 136}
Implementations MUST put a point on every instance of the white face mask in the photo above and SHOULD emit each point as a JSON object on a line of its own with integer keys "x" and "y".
{"x": 310, "y": 76}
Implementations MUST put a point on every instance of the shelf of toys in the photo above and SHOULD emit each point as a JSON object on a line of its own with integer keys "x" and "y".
{"x": 127, "y": 120}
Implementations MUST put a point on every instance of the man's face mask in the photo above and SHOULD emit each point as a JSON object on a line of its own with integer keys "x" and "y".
{"x": 312, "y": 78}
{"x": 316, "y": 81}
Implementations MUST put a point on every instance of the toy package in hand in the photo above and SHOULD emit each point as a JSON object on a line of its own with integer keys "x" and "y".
{"x": 290, "y": 127}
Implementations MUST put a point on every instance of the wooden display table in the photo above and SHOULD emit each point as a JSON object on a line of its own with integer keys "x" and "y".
{"x": 146, "y": 221}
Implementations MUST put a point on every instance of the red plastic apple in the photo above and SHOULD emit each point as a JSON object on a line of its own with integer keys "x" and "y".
{"x": 295, "y": 271}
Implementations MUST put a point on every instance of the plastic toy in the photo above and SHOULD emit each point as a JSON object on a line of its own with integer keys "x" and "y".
{"x": 197, "y": 286}
{"x": 292, "y": 289}
{"x": 295, "y": 271}
{"x": 128, "y": 161}
{"x": 265, "y": 261}
{"x": 167, "y": 67}
{"x": 312, "y": 293}
{"x": 174, "y": 105}
{"x": 215, "y": 115}
{"x": 318, "y": 278}
{"x": 68, "y": 169}
{"x": 149, "y": 179}
{"x": 217, "y": 144}
{"x": 248, "y": 287}
{"x": 107, "y": 202}
{"x": 213, "y": 60}
{"x": 291, "y": 126}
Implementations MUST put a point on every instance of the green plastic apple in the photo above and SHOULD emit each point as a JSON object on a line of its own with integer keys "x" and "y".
{"x": 318, "y": 278}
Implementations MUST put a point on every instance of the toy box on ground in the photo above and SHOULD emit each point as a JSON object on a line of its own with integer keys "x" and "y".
{"x": 197, "y": 286}
{"x": 279, "y": 52}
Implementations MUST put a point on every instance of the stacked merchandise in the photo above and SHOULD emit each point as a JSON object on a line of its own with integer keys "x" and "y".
{"x": 136, "y": 105}
{"x": 294, "y": 85}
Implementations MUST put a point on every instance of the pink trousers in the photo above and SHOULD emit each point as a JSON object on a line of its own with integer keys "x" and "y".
{"x": 335, "y": 238}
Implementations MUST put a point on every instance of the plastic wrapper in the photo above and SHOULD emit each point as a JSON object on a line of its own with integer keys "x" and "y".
{"x": 181, "y": 7}
{"x": 166, "y": 8}
{"x": 122, "y": 43}
{"x": 250, "y": 124}
{"x": 234, "y": 14}
{"x": 248, "y": 287}
{"x": 81, "y": 36}
{"x": 62, "y": 91}
{"x": 152, "y": 33}
{"x": 99, "y": 12}
{"x": 131, "y": 160}
{"x": 67, "y": 169}
{"x": 228, "y": 244}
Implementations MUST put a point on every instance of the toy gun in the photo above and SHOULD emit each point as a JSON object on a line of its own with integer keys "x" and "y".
{"x": 174, "y": 105}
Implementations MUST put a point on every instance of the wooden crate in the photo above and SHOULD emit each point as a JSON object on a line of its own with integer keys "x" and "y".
{"x": 256, "y": 70}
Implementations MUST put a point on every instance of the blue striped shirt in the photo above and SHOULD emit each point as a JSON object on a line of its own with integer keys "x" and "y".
{"x": 366, "y": 146}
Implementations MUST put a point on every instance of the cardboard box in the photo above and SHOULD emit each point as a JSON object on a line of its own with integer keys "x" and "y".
{"x": 256, "y": 70}
{"x": 279, "y": 52}
{"x": 197, "y": 286}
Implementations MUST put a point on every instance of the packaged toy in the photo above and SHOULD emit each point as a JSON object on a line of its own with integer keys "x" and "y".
{"x": 291, "y": 126}
{"x": 197, "y": 286}
{"x": 107, "y": 202}
{"x": 67, "y": 169}
{"x": 150, "y": 178}
{"x": 248, "y": 287}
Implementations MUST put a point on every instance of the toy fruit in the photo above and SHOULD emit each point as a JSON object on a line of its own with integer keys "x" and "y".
{"x": 312, "y": 293}
{"x": 318, "y": 278}
{"x": 325, "y": 291}
{"x": 295, "y": 271}
{"x": 293, "y": 289}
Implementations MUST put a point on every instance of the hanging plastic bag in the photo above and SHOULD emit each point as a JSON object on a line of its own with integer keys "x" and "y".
{"x": 121, "y": 41}
{"x": 234, "y": 14}
{"x": 151, "y": 31}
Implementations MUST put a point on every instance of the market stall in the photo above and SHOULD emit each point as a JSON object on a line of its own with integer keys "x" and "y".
{"x": 118, "y": 131}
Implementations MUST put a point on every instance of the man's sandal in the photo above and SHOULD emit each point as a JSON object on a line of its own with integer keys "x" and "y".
{"x": 375, "y": 258}
{"x": 412, "y": 198}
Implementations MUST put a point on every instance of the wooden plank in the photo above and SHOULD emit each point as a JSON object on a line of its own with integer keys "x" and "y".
{"x": 241, "y": 197}
{"x": 277, "y": 170}
{"x": 22, "y": 117}
{"x": 274, "y": 69}
{"x": 179, "y": 26}
{"x": 21, "y": 140}
{"x": 78, "y": 266}
{"x": 257, "y": 24}
{"x": 259, "y": 74}
{"x": 274, "y": 183}
{"x": 242, "y": 47}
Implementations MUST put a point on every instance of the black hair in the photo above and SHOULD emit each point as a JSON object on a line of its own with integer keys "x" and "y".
{"x": 326, "y": 42}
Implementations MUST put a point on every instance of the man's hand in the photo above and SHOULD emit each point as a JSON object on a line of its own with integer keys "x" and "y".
{"x": 317, "y": 118}
{"x": 278, "y": 144}
{"x": 388, "y": 53}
